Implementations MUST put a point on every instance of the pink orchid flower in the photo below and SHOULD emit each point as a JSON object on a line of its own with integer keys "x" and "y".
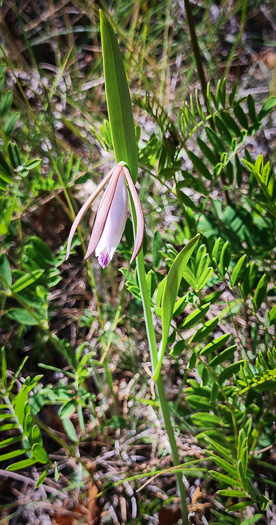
{"x": 111, "y": 217}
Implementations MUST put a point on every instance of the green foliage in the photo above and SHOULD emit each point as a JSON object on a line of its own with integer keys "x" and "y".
{"x": 170, "y": 292}
{"x": 206, "y": 169}
{"x": 16, "y": 417}
{"x": 225, "y": 405}
{"x": 266, "y": 180}
{"x": 118, "y": 99}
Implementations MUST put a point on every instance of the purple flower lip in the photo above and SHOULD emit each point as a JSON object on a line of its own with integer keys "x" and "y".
{"x": 111, "y": 217}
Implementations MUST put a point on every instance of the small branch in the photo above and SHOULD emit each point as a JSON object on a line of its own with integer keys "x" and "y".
{"x": 201, "y": 75}
{"x": 196, "y": 51}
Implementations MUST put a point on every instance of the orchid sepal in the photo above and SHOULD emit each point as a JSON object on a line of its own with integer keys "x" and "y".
{"x": 111, "y": 216}
{"x": 103, "y": 211}
{"x": 84, "y": 209}
{"x": 140, "y": 222}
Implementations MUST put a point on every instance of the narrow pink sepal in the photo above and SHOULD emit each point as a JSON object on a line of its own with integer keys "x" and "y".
{"x": 140, "y": 227}
{"x": 84, "y": 208}
{"x": 103, "y": 212}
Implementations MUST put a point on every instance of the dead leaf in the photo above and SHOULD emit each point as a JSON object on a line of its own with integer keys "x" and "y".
{"x": 169, "y": 516}
{"x": 196, "y": 495}
{"x": 93, "y": 508}
{"x": 67, "y": 517}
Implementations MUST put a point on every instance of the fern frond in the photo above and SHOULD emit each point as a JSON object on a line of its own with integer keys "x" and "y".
{"x": 153, "y": 108}
{"x": 264, "y": 377}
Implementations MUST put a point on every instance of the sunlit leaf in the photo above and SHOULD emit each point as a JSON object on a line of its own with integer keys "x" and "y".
{"x": 204, "y": 419}
{"x": 195, "y": 316}
{"x": 26, "y": 280}
{"x": 21, "y": 464}
{"x": 170, "y": 294}
{"x": 70, "y": 429}
{"x": 267, "y": 107}
{"x": 205, "y": 330}
{"x": 230, "y": 371}
{"x": 224, "y": 479}
{"x": 40, "y": 453}
{"x": 223, "y": 356}
{"x": 260, "y": 292}
{"x": 118, "y": 99}
{"x": 239, "y": 270}
{"x": 5, "y": 271}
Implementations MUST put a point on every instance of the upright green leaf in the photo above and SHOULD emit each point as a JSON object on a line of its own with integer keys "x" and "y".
{"x": 215, "y": 141}
{"x": 5, "y": 104}
{"x": 204, "y": 376}
{"x": 204, "y": 278}
{"x": 231, "y": 124}
{"x": 40, "y": 453}
{"x": 170, "y": 294}
{"x": 5, "y": 270}
{"x": 222, "y": 129}
{"x": 216, "y": 252}
{"x": 42, "y": 477}
{"x": 156, "y": 247}
{"x": 5, "y": 171}
{"x": 15, "y": 155}
{"x": 238, "y": 171}
{"x": 239, "y": 270}
{"x": 11, "y": 122}
{"x": 70, "y": 429}
{"x": 118, "y": 99}
{"x": 250, "y": 278}
{"x": 225, "y": 258}
{"x": 251, "y": 108}
{"x": 207, "y": 152}
{"x": 241, "y": 116}
{"x": 200, "y": 166}
{"x": 242, "y": 476}
{"x": 269, "y": 104}
{"x": 260, "y": 292}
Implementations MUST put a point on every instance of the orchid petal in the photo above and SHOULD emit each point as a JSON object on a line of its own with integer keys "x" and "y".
{"x": 84, "y": 209}
{"x": 115, "y": 224}
{"x": 140, "y": 227}
{"x": 103, "y": 212}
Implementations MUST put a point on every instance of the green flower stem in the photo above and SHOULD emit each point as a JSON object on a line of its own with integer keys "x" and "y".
{"x": 174, "y": 450}
{"x": 159, "y": 383}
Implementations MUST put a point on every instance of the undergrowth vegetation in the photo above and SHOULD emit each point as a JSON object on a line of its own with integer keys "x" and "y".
{"x": 81, "y": 435}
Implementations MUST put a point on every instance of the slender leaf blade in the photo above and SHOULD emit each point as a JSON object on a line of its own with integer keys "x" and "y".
{"x": 118, "y": 99}
{"x": 170, "y": 294}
